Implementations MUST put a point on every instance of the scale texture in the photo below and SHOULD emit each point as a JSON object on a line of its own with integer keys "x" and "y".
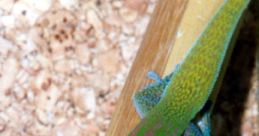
{"x": 193, "y": 82}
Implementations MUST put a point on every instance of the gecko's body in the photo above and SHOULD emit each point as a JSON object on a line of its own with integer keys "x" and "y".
{"x": 189, "y": 88}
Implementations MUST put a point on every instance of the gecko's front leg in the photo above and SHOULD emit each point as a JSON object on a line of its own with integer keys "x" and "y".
{"x": 146, "y": 99}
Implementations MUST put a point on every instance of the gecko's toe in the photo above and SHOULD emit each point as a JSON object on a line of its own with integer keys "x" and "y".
{"x": 153, "y": 75}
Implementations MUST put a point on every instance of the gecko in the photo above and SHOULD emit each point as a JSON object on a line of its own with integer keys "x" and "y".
{"x": 169, "y": 106}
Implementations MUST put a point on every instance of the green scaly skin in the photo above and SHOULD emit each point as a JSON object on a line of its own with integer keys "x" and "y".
{"x": 192, "y": 84}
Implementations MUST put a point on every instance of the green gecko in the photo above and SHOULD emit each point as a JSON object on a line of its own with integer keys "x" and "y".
{"x": 169, "y": 106}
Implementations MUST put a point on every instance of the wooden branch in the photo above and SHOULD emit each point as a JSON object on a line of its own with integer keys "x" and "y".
{"x": 156, "y": 49}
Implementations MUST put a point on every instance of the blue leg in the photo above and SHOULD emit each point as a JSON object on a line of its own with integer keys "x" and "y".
{"x": 153, "y": 75}
{"x": 205, "y": 124}
{"x": 192, "y": 130}
{"x": 145, "y": 99}
{"x": 203, "y": 127}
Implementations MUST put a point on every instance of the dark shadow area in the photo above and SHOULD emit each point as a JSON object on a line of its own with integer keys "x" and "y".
{"x": 231, "y": 100}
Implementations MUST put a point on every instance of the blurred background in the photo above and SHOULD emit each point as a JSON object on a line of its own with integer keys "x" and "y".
{"x": 63, "y": 63}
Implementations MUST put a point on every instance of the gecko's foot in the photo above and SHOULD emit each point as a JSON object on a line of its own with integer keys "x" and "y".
{"x": 193, "y": 130}
{"x": 153, "y": 75}
{"x": 145, "y": 99}
{"x": 205, "y": 124}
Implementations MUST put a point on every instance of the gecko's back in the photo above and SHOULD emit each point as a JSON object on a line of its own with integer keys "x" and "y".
{"x": 196, "y": 77}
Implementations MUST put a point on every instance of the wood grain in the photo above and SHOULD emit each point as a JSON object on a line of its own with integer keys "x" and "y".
{"x": 171, "y": 32}
{"x": 152, "y": 55}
